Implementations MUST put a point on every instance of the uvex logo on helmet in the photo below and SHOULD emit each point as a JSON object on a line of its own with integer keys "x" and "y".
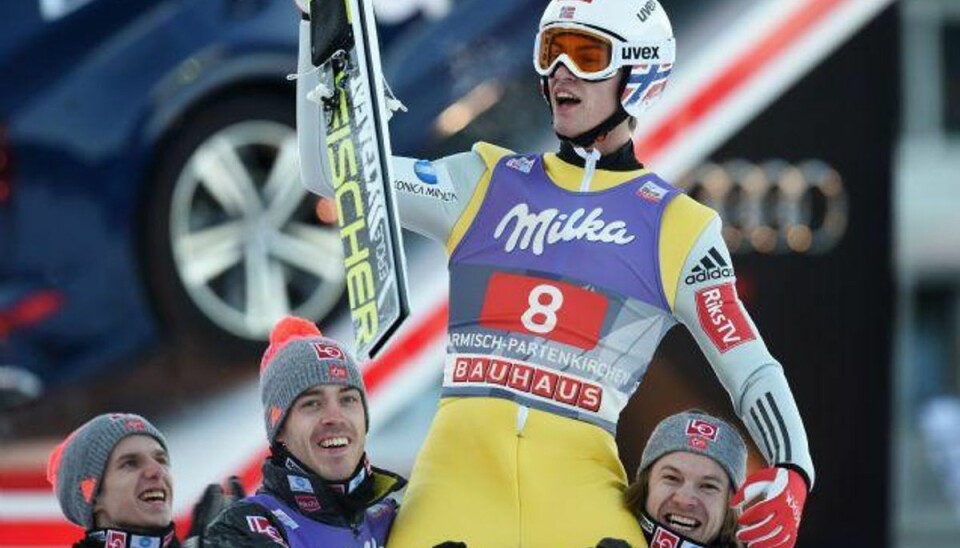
{"x": 640, "y": 53}
{"x": 646, "y": 11}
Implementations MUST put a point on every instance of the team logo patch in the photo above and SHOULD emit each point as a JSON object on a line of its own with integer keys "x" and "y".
{"x": 664, "y": 539}
{"x": 337, "y": 372}
{"x": 299, "y": 484}
{"x": 327, "y": 351}
{"x": 697, "y": 443}
{"x": 520, "y": 163}
{"x": 711, "y": 267}
{"x": 702, "y": 428}
{"x": 652, "y": 192}
{"x": 128, "y": 423}
{"x": 285, "y": 519}
{"x": 722, "y": 317}
{"x": 261, "y": 526}
{"x": 136, "y": 541}
{"x": 290, "y": 464}
{"x": 116, "y": 539}
{"x": 646, "y": 11}
{"x": 307, "y": 503}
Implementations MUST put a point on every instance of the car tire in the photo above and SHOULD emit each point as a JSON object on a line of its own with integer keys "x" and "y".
{"x": 232, "y": 240}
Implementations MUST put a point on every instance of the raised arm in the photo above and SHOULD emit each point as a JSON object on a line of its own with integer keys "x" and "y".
{"x": 702, "y": 292}
{"x": 431, "y": 195}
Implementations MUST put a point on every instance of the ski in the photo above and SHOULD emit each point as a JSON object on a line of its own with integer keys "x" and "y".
{"x": 355, "y": 143}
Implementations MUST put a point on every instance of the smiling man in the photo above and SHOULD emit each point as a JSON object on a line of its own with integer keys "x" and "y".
{"x": 112, "y": 477}
{"x": 318, "y": 486}
{"x": 690, "y": 469}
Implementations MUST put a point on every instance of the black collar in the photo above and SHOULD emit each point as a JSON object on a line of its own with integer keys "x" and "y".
{"x": 298, "y": 487}
{"x": 658, "y": 534}
{"x": 159, "y": 537}
{"x": 623, "y": 159}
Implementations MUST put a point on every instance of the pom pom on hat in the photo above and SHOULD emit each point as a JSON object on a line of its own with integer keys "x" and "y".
{"x": 298, "y": 358}
{"x": 287, "y": 329}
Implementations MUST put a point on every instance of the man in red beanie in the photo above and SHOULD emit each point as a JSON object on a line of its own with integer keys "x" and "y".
{"x": 318, "y": 489}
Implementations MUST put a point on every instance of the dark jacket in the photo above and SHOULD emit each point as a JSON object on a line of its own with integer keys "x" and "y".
{"x": 657, "y": 534}
{"x": 125, "y": 538}
{"x": 297, "y": 509}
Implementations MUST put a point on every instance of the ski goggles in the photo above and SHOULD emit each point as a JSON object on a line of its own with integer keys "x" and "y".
{"x": 593, "y": 55}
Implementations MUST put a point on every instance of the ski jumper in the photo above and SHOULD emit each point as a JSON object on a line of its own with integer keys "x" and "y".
{"x": 563, "y": 282}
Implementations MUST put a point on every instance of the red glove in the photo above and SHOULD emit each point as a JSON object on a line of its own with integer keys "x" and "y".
{"x": 773, "y": 518}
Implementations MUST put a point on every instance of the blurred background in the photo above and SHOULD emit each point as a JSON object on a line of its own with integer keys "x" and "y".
{"x": 153, "y": 228}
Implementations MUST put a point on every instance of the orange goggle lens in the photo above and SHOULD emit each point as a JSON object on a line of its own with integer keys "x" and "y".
{"x": 589, "y": 52}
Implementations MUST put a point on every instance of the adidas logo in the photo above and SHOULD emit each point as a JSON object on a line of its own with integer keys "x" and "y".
{"x": 712, "y": 266}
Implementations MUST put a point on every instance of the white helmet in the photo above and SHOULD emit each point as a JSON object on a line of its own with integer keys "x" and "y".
{"x": 615, "y": 34}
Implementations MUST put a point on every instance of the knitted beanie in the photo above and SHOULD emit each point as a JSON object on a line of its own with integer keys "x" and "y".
{"x": 76, "y": 466}
{"x": 300, "y": 357}
{"x": 696, "y": 432}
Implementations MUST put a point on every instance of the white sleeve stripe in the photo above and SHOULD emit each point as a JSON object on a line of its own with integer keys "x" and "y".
{"x": 763, "y": 434}
{"x": 788, "y": 457}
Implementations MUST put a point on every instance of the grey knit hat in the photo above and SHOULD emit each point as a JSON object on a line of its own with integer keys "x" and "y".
{"x": 300, "y": 357}
{"x": 694, "y": 431}
{"x": 76, "y": 466}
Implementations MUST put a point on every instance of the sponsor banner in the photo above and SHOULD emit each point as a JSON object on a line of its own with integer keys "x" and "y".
{"x": 423, "y": 179}
{"x": 528, "y": 379}
{"x": 722, "y": 317}
{"x": 524, "y": 229}
{"x": 421, "y": 189}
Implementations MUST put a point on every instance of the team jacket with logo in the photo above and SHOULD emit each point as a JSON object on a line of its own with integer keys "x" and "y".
{"x": 563, "y": 283}
{"x": 296, "y": 509}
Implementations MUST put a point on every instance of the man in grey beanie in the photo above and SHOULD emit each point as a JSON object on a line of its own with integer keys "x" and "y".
{"x": 318, "y": 489}
{"x": 112, "y": 477}
{"x": 691, "y": 466}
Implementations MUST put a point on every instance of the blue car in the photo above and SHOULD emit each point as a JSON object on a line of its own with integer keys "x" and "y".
{"x": 149, "y": 184}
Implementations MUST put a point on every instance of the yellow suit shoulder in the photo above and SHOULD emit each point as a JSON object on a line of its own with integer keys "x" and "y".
{"x": 683, "y": 221}
{"x": 490, "y": 153}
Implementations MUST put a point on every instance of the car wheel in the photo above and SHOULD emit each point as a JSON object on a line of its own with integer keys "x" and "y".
{"x": 234, "y": 243}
